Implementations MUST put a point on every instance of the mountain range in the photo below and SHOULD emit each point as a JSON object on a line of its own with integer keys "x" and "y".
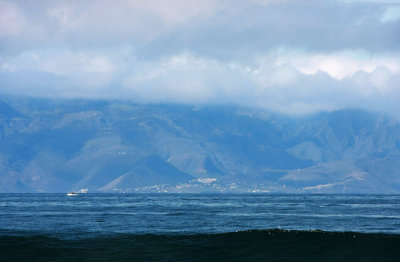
{"x": 60, "y": 145}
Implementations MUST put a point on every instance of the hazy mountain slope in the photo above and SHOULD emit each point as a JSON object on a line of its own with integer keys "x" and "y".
{"x": 56, "y": 146}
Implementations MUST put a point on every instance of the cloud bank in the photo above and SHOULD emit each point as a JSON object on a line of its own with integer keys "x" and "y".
{"x": 290, "y": 56}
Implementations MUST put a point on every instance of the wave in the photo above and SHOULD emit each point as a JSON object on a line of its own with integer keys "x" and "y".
{"x": 253, "y": 245}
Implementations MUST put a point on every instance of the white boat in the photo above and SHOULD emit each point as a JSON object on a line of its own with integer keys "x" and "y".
{"x": 82, "y": 191}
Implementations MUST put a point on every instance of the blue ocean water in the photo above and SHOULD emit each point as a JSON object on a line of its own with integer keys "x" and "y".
{"x": 199, "y": 227}
{"x": 93, "y": 214}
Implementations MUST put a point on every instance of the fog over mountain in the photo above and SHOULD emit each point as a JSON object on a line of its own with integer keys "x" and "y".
{"x": 288, "y": 56}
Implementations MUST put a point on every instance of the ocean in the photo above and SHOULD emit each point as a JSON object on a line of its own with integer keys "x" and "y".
{"x": 199, "y": 227}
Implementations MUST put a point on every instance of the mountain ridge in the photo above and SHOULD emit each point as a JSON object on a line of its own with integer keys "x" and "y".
{"x": 120, "y": 146}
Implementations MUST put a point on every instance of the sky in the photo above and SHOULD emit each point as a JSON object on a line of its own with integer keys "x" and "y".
{"x": 291, "y": 56}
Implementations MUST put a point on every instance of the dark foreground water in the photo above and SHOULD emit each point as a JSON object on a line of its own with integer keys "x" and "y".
{"x": 169, "y": 227}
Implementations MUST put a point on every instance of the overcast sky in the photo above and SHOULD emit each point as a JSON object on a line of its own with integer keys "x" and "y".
{"x": 291, "y": 56}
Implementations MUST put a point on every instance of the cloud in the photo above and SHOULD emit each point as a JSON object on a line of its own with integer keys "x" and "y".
{"x": 340, "y": 64}
{"x": 290, "y": 56}
{"x": 213, "y": 28}
{"x": 11, "y": 19}
{"x": 392, "y": 14}
{"x": 282, "y": 83}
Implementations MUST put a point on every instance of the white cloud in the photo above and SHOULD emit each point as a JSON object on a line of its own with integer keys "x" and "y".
{"x": 64, "y": 15}
{"x": 392, "y": 14}
{"x": 187, "y": 78}
{"x": 11, "y": 19}
{"x": 340, "y": 64}
{"x": 293, "y": 56}
{"x": 62, "y": 62}
{"x": 284, "y": 88}
{"x": 177, "y": 11}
